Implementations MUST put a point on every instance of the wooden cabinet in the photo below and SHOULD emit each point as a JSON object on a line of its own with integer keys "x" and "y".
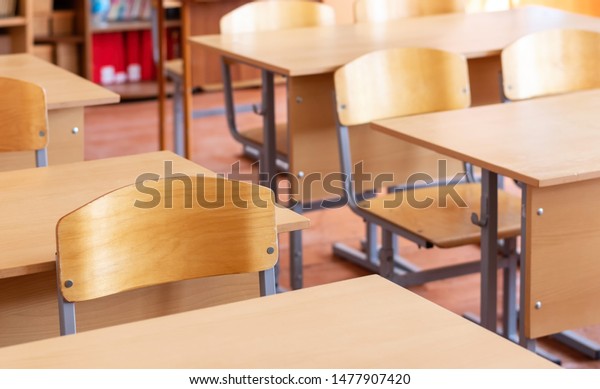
{"x": 59, "y": 34}
{"x": 15, "y": 28}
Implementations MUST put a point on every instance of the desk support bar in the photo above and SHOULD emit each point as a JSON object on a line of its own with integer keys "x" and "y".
{"x": 509, "y": 280}
{"x": 489, "y": 248}
{"x": 66, "y": 310}
{"x": 523, "y": 340}
{"x": 296, "y": 279}
{"x": 268, "y": 167}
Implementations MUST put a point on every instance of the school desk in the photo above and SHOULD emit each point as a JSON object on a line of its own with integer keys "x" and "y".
{"x": 31, "y": 203}
{"x": 66, "y": 96}
{"x": 550, "y": 146}
{"x": 363, "y": 323}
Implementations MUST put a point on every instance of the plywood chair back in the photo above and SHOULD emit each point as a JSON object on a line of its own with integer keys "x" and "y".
{"x": 23, "y": 118}
{"x": 276, "y": 15}
{"x": 372, "y": 11}
{"x": 398, "y": 82}
{"x": 163, "y": 231}
{"x": 551, "y": 62}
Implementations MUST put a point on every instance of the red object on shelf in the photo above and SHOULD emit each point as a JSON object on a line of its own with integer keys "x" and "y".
{"x": 147, "y": 60}
{"x": 109, "y": 57}
{"x": 133, "y": 56}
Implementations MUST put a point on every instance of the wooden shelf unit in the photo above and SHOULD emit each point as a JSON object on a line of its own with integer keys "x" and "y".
{"x": 206, "y": 66}
{"x": 18, "y": 28}
{"x": 12, "y": 21}
{"x": 132, "y": 25}
{"x": 130, "y": 90}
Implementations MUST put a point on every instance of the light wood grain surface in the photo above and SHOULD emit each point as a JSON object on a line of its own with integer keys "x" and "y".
{"x": 23, "y": 116}
{"x": 373, "y": 11}
{"x": 562, "y": 258}
{"x": 63, "y": 89}
{"x": 33, "y": 200}
{"x": 362, "y": 323}
{"x": 317, "y": 50}
{"x": 400, "y": 82}
{"x": 551, "y": 62}
{"x": 542, "y": 142}
{"x": 444, "y": 222}
{"x": 550, "y": 145}
{"x": 276, "y": 15}
{"x": 168, "y": 230}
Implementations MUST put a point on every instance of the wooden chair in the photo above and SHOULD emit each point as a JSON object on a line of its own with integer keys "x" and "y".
{"x": 551, "y": 62}
{"x": 377, "y": 11}
{"x": 410, "y": 81}
{"x": 267, "y": 16}
{"x": 23, "y": 118}
{"x": 372, "y": 11}
{"x": 162, "y": 231}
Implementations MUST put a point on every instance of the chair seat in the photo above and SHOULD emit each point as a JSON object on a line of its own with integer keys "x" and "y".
{"x": 448, "y": 226}
{"x": 256, "y": 135}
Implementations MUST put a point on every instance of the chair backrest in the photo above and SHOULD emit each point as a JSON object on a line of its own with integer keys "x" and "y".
{"x": 276, "y": 15}
{"x": 399, "y": 82}
{"x": 551, "y": 62}
{"x": 391, "y": 83}
{"x": 163, "y": 231}
{"x": 371, "y": 11}
{"x": 23, "y": 118}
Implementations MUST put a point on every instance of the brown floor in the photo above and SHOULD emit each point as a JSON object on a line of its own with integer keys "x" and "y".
{"x": 131, "y": 128}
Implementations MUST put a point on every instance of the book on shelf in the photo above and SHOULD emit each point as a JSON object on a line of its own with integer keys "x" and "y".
{"x": 124, "y": 10}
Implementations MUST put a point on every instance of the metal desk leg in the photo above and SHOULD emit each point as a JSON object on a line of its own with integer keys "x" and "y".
{"x": 523, "y": 340}
{"x": 296, "y": 279}
{"x": 488, "y": 221}
{"x": 268, "y": 157}
{"x": 268, "y": 170}
{"x": 178, "y": 135}
{"x": 509, "y": 279}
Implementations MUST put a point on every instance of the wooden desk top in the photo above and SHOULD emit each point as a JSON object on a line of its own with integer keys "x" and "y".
{"x": 319, "y": 50}
{"x": 63, "y": 89}
{"x": 366, "y": 322}
{"x": 32, "y": 201}
{"x": 542, "y": 142}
